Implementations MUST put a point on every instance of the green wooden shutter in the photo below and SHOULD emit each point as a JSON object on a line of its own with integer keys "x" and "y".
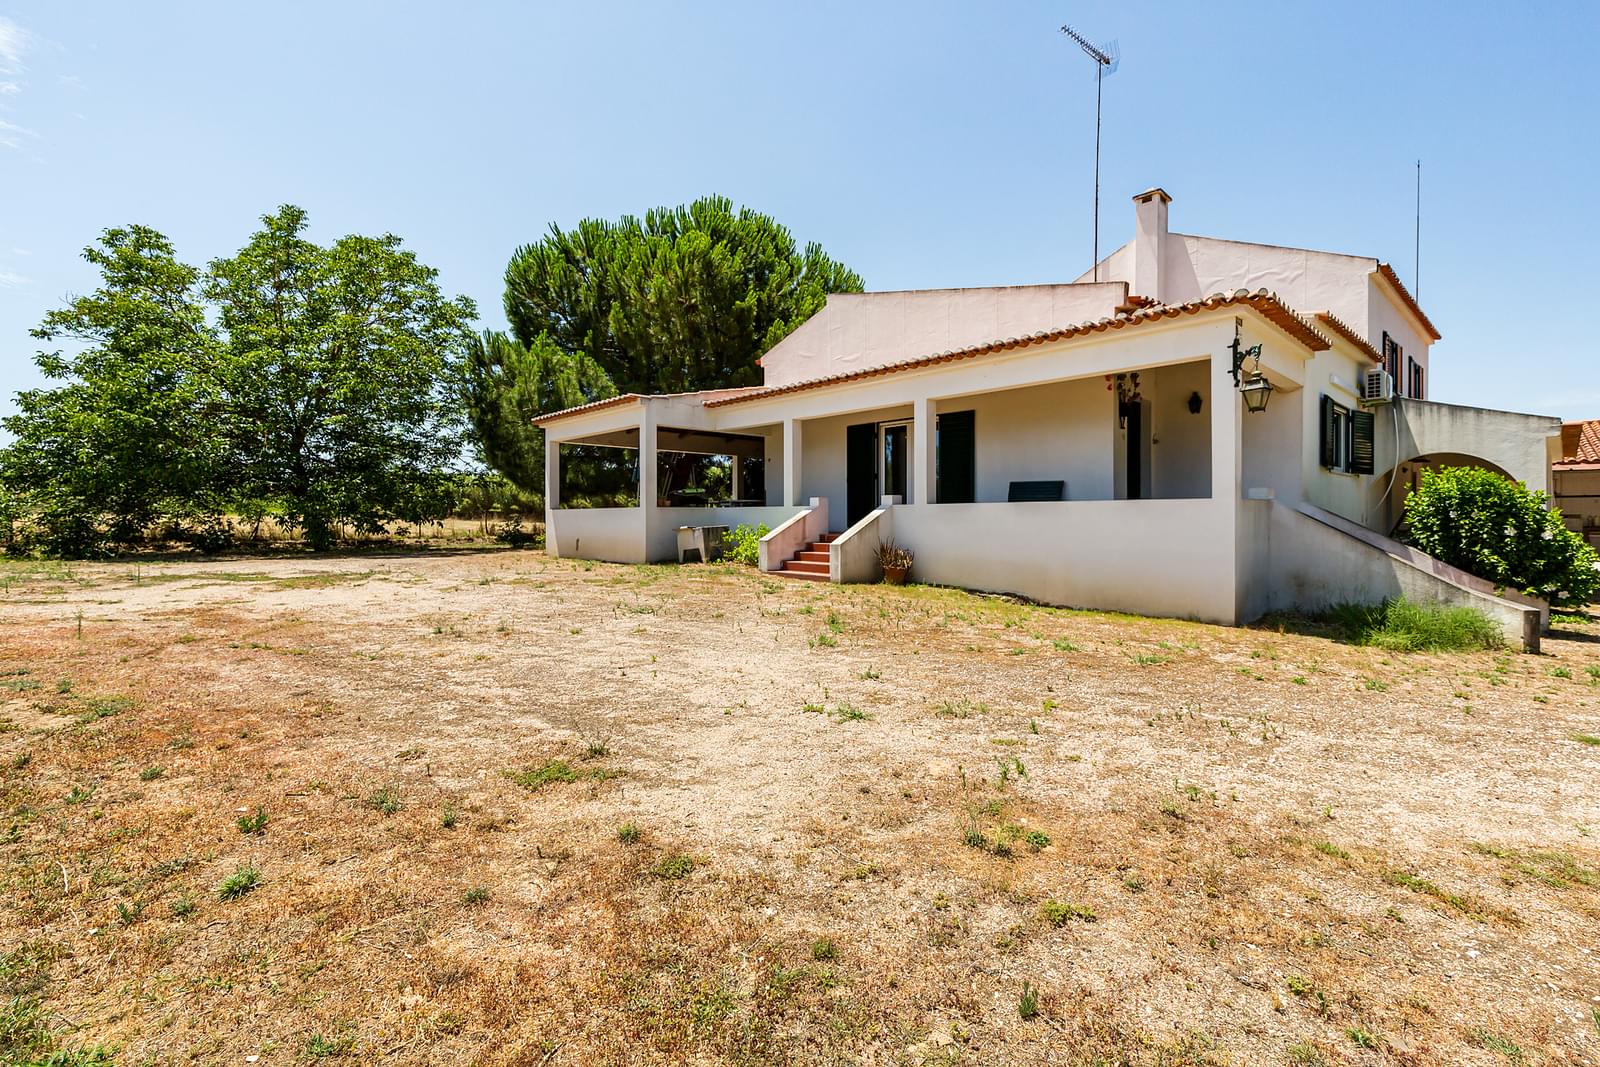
{"x": 957, "y": 458}
{"x": 1361, "y": 436}
{"x": 1330, "y": 437}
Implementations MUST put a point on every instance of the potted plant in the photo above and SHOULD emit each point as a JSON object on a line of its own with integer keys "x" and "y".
{"x": 895, "y": 561}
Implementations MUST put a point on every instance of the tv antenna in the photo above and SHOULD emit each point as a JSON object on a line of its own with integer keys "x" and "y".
{"x": 1105, "y": 62}
{"x": 1416, "y": 262}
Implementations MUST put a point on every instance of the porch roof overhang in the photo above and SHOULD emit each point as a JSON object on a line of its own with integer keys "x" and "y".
{"x": 1264, "y": 303}
{"x": 625, "y": 399}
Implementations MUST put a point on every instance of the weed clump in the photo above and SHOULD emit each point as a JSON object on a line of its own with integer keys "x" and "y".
{"x": 1402, "y": 625}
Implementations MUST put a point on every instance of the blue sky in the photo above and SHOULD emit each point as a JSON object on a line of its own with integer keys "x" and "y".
{"x": 927, "y": 144}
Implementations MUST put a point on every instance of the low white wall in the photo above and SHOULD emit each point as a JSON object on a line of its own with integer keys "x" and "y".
{"x": 853, "y": 556}
{"x": 612, "y": 534}
{"x": 1317, "y": 559}
{"x": 664, "y": 523}
{"x": 1151, "y": 557}
{"x": 800, "y": 528}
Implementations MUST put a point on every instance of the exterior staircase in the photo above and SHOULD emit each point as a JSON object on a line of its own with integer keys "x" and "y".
{"x": 811, "y": 564}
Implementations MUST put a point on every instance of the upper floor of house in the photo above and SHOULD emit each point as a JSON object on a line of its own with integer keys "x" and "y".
{"x": 1365, "y": 297}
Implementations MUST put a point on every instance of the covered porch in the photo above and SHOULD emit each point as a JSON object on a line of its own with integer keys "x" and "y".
{"x": 660, "y": 444}
{"x": 1123, "y": 473}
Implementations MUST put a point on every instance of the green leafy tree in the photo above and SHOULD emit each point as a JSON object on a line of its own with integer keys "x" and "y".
{"x": 684, "y": 299}
{"x": 342, "y": 366}
{"x": 1501, "y": 531}
{"x": 130, "y": 436}
{"x": 507, "y": 383}
{"x": 319, "y": 385}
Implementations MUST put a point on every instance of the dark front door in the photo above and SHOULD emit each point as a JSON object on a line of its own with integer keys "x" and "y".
{"x": 1133, "y": 411}
{"x": 861, "y": 471}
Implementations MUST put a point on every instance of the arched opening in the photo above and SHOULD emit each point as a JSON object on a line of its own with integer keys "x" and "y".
{"x": 1391, "y": 488}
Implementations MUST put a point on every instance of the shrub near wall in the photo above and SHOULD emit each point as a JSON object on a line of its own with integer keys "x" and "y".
{"x": 743, "y": 544}
{"x": 1503, "y": 532}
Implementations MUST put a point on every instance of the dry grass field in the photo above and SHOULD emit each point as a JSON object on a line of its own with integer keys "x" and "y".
{"x": 491, "y": 808}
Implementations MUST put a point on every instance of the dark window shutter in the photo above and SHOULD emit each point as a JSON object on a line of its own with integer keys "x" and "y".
{"x": 957, "y": 459}
{"x": 1361, "y": 434}
{"x": 1330, "y": 437}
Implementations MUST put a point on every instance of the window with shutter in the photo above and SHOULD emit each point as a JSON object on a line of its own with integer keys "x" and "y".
{"x": 955, "y": 455}
{"x": 1330, "y": 434}
{"x": 1361, "y": 442}
{"x": 1336, "y": 435}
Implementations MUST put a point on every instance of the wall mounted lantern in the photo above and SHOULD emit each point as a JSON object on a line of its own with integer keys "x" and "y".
{"x": 1195, "y": 402}
{"x": 1253, "y": 385}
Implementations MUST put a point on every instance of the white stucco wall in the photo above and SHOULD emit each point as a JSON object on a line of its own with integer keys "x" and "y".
{"x": 1180, "y": 442}
{"x": 858, "y": 330}
{"x": 1336, "y": 373}
{"x": 612, "y": 534}
{"x": 1313, "y": 565}
{"x": 1122, "y": 555}
{"x": 1058, "y": 431}
{"x": 1384, "y": 315}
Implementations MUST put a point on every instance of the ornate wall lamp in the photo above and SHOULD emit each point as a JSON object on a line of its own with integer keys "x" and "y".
{"x": 1253, "y": 386}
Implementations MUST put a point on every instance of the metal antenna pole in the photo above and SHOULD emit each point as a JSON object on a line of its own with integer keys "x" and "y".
{"x": 1416, "y": 268}
{"x": 1098, "y": 69}
{"x": 1105, "y": 62}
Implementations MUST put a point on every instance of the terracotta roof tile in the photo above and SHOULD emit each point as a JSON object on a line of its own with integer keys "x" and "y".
{"x": 1580, "y": 442}
{"x": 584, "y": 409}
{"x": 1337, "y": 325}
{"x": 1262, "y": 301}
{"x": 1407, "y": 299}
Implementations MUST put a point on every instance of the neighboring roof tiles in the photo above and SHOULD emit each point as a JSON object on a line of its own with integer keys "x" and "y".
{"x": 1580, "y": 443}
{"x": 1407, "y": 299}
{"x": 1334, "y": 323}
{"x": 1263, "y": 302}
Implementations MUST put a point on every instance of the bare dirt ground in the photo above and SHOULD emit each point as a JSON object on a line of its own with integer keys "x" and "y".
{"x": 515, "y": 810}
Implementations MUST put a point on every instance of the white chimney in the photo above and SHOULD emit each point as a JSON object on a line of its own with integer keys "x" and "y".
{"x": 1150, "y": 244}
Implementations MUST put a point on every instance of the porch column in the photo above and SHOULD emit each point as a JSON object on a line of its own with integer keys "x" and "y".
{"x": 647, "y": 458}
{"x": 1230, "y": 569}
{"x": 552, "y": 491}
{"x": 922, "y": 457}
{"x": 736, "y": 478}
{"x": 1227, "y": 432}
{"x": 792, "y": 439}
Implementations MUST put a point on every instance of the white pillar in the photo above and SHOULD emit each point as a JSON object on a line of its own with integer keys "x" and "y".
{"x": 922, "y": 457}
{"x": 792, "y": 435}
{"x": 736, "y": 479}
{"x": 1227, "y": 430}
{"x": 647, "y": 458}
{"x": 1227, "y": 469}
{"x": 552, "y": 491}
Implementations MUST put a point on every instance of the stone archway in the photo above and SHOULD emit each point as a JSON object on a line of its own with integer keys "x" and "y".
{"x": 1391, "y": 487}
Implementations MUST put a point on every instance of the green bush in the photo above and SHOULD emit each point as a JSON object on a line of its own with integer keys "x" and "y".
{"x": 1501, "y": 531}
{"x": 1404, "y": 626}
{"x": 743, "y": 544}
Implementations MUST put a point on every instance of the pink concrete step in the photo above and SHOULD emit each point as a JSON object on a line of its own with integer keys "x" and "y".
{"x": 809, "y": 576}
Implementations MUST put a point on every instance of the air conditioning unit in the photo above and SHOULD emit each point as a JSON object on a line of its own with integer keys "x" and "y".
{"x": 1377, "y": 386}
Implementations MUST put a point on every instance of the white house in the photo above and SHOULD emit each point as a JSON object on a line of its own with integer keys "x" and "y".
{"x": 1204, "y": 432}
